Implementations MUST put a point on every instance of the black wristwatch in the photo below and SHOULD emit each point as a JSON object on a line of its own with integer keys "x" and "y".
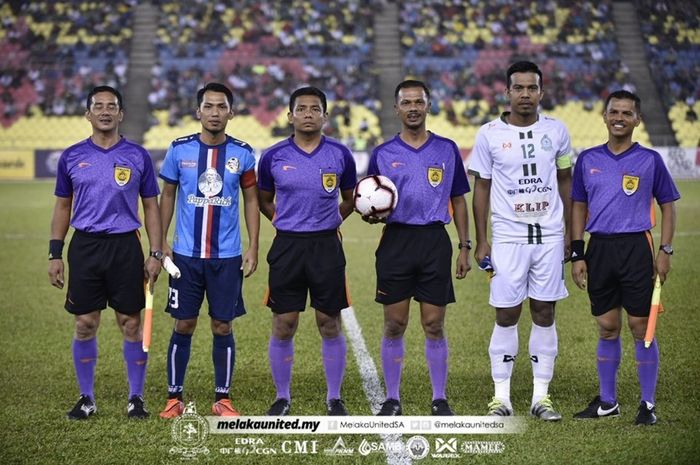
{"x": 157, "y": 254}
{"x": 666, "y": 248}
{"x": 465, "y": 245}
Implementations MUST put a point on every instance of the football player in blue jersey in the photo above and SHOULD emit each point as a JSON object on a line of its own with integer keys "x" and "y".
{"x": 205, "y": 172}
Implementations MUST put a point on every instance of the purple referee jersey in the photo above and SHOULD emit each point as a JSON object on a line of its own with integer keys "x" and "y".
{"x": 620, "y": 189}
{"x": 306, "y": 185}
{"x": 106, "y": 185}
{"x": 426, "y": 178}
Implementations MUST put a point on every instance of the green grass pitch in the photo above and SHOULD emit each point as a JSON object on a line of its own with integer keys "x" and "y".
{"x": 37, "y": 383}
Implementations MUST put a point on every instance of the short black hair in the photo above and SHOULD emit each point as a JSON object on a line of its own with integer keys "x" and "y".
{"x": 523, "y": 67}
{"x": 98, "y": 89}
{"x": 308, "y": 90}
{"x": 215, "y": 87}
{"x": 626, "y": 95}
{"x": 411, "y": 83}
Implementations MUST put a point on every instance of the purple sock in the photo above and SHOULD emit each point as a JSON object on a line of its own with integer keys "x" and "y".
{"x": 609, "y": 355}
{"x": 136, "y": 360}
{"x": 334, "y": 353}
{"x": 648, "y": 369}
{"x": 436, "y": 353}
{"x": 85, "y": 359}
{"x": 392, "y": 363}
{"x": 281, "y": 353}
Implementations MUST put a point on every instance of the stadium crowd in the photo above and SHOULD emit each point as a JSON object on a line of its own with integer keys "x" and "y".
{"x": 574, "y": 42}
{"x": 264, "y": 52}
{"x": 55, "y": 52}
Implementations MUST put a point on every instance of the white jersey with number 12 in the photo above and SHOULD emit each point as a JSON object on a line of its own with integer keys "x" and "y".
{"x": 521, "y": 163}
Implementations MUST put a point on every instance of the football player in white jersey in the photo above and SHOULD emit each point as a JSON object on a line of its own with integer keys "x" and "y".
{"x": 522, "y": 167}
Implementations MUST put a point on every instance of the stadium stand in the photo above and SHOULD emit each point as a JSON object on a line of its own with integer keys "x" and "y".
{"x": 53, "y": 53}
{"x": 269, "y": 51}
{"x": 462, "y": 50}
{"x": 672, "y": 33}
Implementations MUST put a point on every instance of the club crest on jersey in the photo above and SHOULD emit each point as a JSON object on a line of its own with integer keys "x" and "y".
{"x": 546, "y": 143}
{"x": 233, "y": 165}
{"x": 210, "y": 183}
{"x": 122, "y": 174}
{"x": 330, "y": 180}
{"x": 630, "y": 184}
{"x": 435, "y": 176}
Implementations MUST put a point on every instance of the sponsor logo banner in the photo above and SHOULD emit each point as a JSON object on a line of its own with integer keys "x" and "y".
{"x": 16, "y": 164}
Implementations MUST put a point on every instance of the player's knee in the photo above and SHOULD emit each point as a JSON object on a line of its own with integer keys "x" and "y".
{"x": 330, "y": 328}
{"x": 283, "y": 329}
{"x": 507, "y": 319}
{"x": 433, "y": 329}
{"x": 608, "y": 332}
{"x": 85, "y": 329}
{"x": 130, "y": 328}
{"x": 542, "y": 313}
{"x": 638, "y": 329}
{"x": 394, "y": 329}
{"x": 185, "y": 326}
{"x": 220, "y": 328}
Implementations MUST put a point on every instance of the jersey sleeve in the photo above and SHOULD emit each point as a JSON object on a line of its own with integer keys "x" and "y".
{"x": 64, "y": 185}
{"x": 664, "y": 189}
{"x": 349, "y": 177}
{"x": 460, "y": 183}
{"x": 578, "y": 188}
{"x": 265, "y": 180}
{"x": 480, "y": 162}
{"x": 169, "y": 169}
{"x": 149, "y": 183}
{"x": 563, "y": 156}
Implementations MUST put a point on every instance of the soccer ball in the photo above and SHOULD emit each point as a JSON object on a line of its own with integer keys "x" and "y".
{"x": 375, "y": 196}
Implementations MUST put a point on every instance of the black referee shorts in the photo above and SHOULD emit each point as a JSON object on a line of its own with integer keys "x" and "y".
{"x": 307, "y": 263}
{"x": 620, "y": 273}
{"x": 105, "y": 269}
{"x": 414, "y": 261}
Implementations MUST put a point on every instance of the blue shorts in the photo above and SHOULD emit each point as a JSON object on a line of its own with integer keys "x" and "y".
{"x": 221, "y": 278}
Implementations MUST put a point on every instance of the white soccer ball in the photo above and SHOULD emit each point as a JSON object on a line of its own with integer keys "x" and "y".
{"x": 376, "y": 196}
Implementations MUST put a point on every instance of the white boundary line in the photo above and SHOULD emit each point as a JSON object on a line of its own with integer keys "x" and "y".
{"x": 372, "y": 386}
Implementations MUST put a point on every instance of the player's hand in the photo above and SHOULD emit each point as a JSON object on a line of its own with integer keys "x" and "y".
{"x": 662, "y": 266}
{"x": 151, "y": 270}
{"x": 463, "y": 264}
{"x": 56, "y": 273}
{"x": 373, "y": 219}
{"x": 250, "y": 262}
{"x": 579, "y": 271}
{"x": 482, "y": 250}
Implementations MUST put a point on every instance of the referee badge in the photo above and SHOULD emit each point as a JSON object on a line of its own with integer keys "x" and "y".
{"x": 630, "y": 184}
{"x": 329, "y": 181}
{"x": 434, "y": 176}
{"x": 122, "y": 174}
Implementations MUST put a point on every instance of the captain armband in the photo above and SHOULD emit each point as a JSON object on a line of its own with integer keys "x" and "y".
{"x": 564, "y": 162}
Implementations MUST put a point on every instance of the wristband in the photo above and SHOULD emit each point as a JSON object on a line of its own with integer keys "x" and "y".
{"x": 55, "y": 249}
{"x": 577, "y": 250}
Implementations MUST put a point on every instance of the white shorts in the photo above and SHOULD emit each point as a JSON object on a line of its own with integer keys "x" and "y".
{"x": 527, "y": 270}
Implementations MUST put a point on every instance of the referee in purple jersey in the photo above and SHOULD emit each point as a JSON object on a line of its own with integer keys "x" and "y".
{"x": 299, "y": 180}
{"x": 429, "y": 175}
{"x": 613, "y": 191}
{"x": 100, "y": 180}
